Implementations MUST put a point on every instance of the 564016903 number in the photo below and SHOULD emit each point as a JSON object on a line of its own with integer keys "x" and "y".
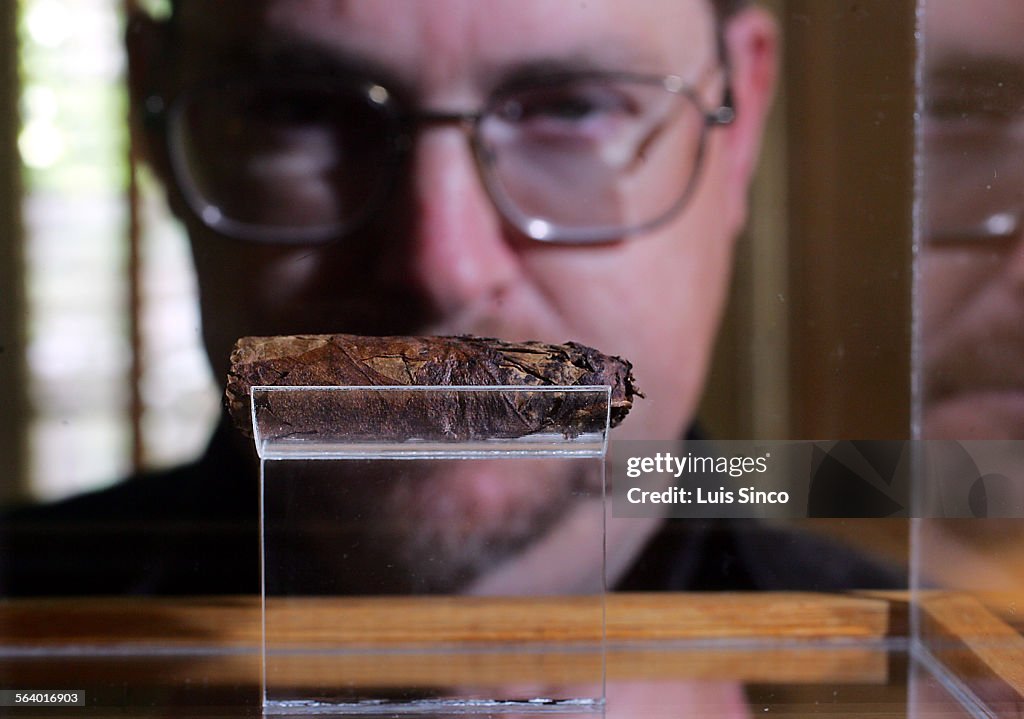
{"x": 42, "y": 697}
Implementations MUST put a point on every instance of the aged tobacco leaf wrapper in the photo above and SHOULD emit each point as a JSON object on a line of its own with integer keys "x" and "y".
{"x": 351, "y": 360}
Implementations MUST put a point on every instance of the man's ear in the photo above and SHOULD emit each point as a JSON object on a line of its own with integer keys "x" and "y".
{"x": 147, "y": 42}
{"x": 751, "y": 43}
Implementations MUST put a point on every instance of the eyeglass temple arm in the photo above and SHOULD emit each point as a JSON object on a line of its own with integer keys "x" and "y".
{"x": 725, "y": 113}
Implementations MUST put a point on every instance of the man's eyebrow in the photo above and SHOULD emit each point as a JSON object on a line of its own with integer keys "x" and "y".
{"x": 296, "y": 55}
{"x": 609, "y": 57}
{"x": 973, "y": 70}
{"x": 963, "y": 85}
{"x": 292, "y": 56}
{"x": 534, "y": 71}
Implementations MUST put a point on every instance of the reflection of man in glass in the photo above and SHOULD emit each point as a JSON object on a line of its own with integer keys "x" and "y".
{"x": 971, "y": 287}
{"x": 972, "y": 278}
{"x": 525, "y": 169}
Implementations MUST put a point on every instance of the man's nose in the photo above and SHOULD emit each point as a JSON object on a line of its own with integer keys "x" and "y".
{"x": 458, "y": 253}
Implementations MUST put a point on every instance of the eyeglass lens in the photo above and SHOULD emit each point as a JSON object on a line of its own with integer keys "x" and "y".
{"x": 973, "y": 175}
{"x": 304, "y": 160}
{"x": 294, "y": 156}
{"x": 593, "y": 154}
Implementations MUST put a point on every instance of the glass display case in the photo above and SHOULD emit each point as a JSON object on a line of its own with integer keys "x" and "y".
{"x": 877, "y": 295}
{"x": 969, "y": 410}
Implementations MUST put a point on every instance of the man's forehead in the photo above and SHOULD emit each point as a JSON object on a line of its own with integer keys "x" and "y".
{"x": 449, "y": 40}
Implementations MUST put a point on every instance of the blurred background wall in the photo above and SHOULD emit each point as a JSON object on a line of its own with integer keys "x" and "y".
{"x": 102, "y": 370}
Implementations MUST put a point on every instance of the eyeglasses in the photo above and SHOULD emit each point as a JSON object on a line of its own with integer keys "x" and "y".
{"x": 997, "y": 227}
{"x": 579, "y": 158}
{"x": 972, "y": 172}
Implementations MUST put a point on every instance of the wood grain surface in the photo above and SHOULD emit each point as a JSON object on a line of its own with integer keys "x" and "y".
{"x": 770, "y": 637}
{"x": 972, "y": 643}
{"x": 766, "y": 638}
{"x": 234, "y": 622}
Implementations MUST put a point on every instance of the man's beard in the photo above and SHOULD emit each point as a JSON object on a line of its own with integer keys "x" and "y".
{"x": 411, "y": 527}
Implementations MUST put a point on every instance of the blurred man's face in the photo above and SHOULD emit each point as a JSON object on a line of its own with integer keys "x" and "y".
{"x": 972, "y": 280}
{"x": 439, "y": 258}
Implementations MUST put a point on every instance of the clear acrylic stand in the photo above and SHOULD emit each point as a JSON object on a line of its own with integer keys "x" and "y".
{"x": 398, "y": 530}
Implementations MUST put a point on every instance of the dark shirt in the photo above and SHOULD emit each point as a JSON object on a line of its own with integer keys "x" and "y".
{"x": 194, "y": 530}
{"x": 189, "y": 530}
{"x": 747, "y": 555}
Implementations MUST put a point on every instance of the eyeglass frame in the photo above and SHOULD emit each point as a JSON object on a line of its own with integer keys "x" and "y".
{"x": 159, "y": 114}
